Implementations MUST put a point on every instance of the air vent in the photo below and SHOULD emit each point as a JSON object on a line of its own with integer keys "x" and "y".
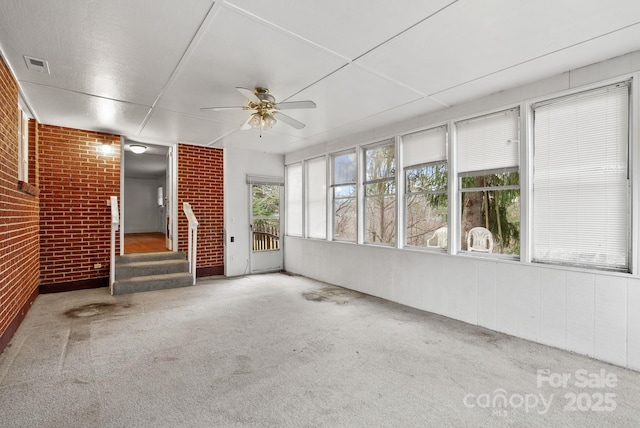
{"x": 36, "y": 64}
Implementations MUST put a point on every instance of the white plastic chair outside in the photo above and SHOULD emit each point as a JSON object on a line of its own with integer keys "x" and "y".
{"x": 480, "y": 239}
{"x": 439, "y": 239}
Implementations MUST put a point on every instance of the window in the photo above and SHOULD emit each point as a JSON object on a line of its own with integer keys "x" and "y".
{"x": 316, "y": 208}
{"x": 343, "y": 187}
{"x": 489, "y": 183}
{"x": 380, "y": 194}
{"x": 581, "y": 192}
{"x": 294, "y": 199}
{"x": 265, "y": 217}
{"x": 426, "y": 201}
{"x": 23, "y": 146}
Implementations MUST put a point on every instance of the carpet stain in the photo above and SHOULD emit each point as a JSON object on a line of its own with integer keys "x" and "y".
{"x": 337, "y": 295}
{"x": 93, "y": 309}
{"x": 165, "y": 359}
{"x": 243, "y": 365}
{"x": 487, "y": 336}
{"x": 79, "y": 334}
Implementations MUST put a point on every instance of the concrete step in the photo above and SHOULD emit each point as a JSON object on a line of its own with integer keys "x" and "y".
{"x": 147, "y": 268}
{"x": 152, "y": 282}
{"x": 151, "y": 271}
{"x": 144, "y": 257}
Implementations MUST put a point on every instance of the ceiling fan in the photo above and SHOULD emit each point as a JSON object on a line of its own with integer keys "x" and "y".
{"x": 267, "y": 111}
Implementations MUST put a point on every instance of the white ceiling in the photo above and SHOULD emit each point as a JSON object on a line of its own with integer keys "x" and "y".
{"x": 144, "y": 68}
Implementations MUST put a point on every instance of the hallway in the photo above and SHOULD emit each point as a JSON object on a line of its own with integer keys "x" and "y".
{"x": 152, "y": 242}
{"x": 278, "y": 350}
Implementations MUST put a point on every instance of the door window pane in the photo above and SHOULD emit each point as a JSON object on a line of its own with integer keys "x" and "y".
{"x": 266, "y": 217}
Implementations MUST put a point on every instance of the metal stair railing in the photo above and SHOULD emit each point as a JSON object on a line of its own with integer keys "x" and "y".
{"x": 193, "y": 238}
{"x": 115, "y": 225}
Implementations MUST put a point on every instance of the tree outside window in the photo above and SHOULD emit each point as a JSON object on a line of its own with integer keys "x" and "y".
{"x": 380, "y": 194}
{"x": 489, "y": 182}
{"x": 492, "y": 201}
{"x": 426, "y": 205}
{"x": 343, "y": 185}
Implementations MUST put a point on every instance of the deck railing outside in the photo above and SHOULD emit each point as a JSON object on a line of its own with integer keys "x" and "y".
{"x": 266, "y": 236}
{"x": 193, "y": 238}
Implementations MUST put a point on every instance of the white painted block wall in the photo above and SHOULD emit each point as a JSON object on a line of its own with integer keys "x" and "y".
{"x": 594, "y": 313}
{"x": 237, "y": 164}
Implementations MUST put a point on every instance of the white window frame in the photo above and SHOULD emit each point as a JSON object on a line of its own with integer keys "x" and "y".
{"x": 459, "y": 190}
{"x": 409, "y": 164}
{"x": 309, "y": 192}
{"x": 631, "y": 162}
{"x": 408, "y": 194}
{"x": 289, "y": 193}
{"x": 23, "y": 146}
{"x": 335, "y": 184}
{"x": 392, "y": 179}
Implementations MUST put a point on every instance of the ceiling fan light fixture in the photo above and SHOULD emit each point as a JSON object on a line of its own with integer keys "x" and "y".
{"x": 255, "y": 120}
{"x": 137, "y": 148}
{"x": 268, "y": 121}
{"x": 265, "y": 107}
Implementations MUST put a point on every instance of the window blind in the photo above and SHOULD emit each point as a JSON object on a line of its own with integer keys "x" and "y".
{"x": 265, "y": 179}
{"x": 581, "y": 196}
{"x": 488, "y": 142}
{"x": 294, "y": 199}
{"x": 425, "y": 146}
{"x": 316, "y": 171}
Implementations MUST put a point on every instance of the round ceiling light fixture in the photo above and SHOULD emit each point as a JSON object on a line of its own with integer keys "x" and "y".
{"x": 137, "y": 148}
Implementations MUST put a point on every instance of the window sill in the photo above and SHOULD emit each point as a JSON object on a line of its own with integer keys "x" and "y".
{"x": 27, "y": 188}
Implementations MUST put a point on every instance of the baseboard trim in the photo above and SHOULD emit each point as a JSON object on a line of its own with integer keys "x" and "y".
{"x": 83, "y": 284}
{"x": 6, "y": 336}
{"x": 209, "y": 271}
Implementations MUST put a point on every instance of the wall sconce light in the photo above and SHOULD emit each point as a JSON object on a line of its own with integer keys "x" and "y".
{"x": 106, "y": 148}
{"x": 137, "y": 148}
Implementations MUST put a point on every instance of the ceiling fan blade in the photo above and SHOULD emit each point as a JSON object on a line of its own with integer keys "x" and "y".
{"x": 249, "y": 94}
{"x": 295, "y": 104}
{"x": 225, "y": 108}
{"x": 245, "y": 126}
{"x": 288, "y": 120}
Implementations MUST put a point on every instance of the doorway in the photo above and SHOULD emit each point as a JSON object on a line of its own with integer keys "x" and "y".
{"x": 145, "y": 198}
{"x": 266, "y": 225}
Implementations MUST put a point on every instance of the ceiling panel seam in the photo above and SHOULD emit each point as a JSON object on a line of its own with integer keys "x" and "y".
{"x": 313, "y": 83}
{"x": 195, "y": 40}
{"x": 317, "y": 136}
{"x": 287, "y": 32}
{"x": 87, "y": 94}
{"x": 394, "y": 81}
{"x": 405, "y": 30}
{"x": 212, "y": 142}
{"x": 193, "y": 116}
{"x": 536, "y": 58}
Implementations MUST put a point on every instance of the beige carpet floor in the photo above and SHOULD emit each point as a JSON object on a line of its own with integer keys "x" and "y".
{"x": 283, "y": 351}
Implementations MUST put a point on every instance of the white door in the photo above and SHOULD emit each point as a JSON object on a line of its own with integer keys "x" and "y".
{"x": 266, "y": 225}
{"x": 169, "y": 203}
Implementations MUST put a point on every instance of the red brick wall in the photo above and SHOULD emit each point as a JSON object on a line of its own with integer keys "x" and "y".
{"x": 18, "y": 214}
{"x": 76, "y": 181}
{"x": 200, "y": 182}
